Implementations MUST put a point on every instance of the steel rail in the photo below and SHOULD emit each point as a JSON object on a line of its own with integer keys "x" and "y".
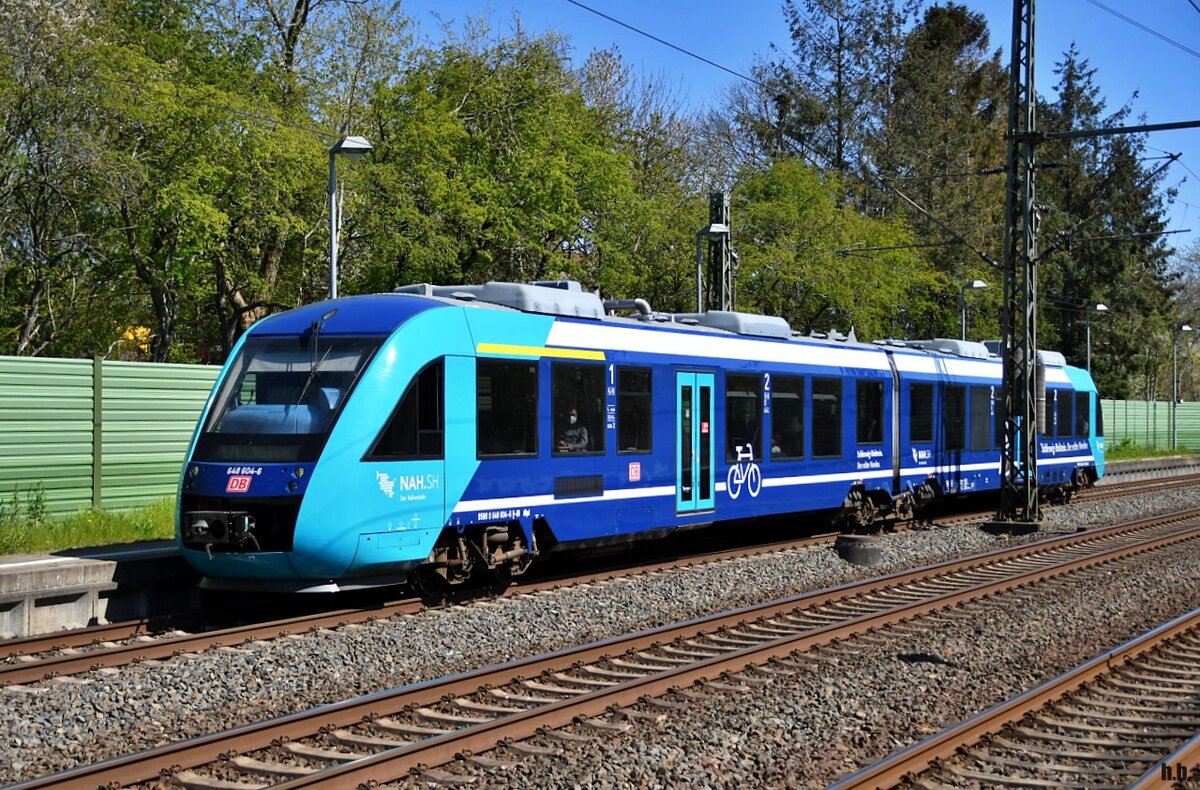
{"x": 395, "y": 763}
{"x": 909, "y": 762}
{"x": 164, "y": 647}
{"x": 170, "y": 646}
{"x": 77, "y": 637}
{"x": 145, "y": 766}
{"x": 93, "y": 636}
{"x": 1186, "y": 756}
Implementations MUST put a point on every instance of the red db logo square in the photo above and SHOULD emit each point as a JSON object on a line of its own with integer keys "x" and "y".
{"x": 238, "y": 484}
{"x": 635, "y": 471}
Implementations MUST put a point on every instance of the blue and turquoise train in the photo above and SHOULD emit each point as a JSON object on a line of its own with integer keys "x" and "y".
{"x": 440, "y": 434}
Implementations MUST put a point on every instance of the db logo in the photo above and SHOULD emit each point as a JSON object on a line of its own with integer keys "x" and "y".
{"x": 238, "y": 484}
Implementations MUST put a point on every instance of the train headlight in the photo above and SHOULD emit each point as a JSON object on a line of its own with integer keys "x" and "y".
{"x": 299, "y": 471}
{"x": 196, "y": 530}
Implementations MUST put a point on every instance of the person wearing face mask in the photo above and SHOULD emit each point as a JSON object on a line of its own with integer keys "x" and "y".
{"x": 575, "y": 437}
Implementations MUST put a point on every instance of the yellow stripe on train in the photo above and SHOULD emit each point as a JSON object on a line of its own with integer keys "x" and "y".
{"x": 511, "y": 350}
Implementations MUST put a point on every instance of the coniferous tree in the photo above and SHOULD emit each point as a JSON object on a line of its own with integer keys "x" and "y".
{"x": 942, "y": 145}
{"x": 1101, "y": 210}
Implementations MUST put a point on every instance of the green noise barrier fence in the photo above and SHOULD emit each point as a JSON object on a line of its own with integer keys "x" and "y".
{"x": 93, "y": 433}
{"x": 1148, "y": 424}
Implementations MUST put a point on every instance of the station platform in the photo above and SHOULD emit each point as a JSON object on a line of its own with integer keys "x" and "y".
{"x": 79, "y": 587}
{"x": 1150, "y": 468}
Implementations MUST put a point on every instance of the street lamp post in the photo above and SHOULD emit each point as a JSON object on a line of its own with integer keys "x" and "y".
{"x": 1098, "y": 308}
{"x": 1175, "y": 382}
{"x": 974, "y": 285}
{"x": 353, "y": 148}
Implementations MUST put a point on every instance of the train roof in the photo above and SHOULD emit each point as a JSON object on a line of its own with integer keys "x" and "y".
{"x": 356, "y": 316}
{"x": 567, "y": 299}
{"x": 381, "y": 314}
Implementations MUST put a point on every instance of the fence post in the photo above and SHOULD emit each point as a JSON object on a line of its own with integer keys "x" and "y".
{"x": 97, "y": 432}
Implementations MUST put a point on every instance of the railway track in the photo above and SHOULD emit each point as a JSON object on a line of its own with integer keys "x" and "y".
{"x": 1129, "y": 717}
{"x": 35, "y": 659}
{"x": 386, "y": 735}
{"x": 1113, "y": 490}
{"x": 68, "y": 653}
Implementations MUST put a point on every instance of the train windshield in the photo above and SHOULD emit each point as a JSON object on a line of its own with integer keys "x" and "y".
{"x": 281, "y": 398}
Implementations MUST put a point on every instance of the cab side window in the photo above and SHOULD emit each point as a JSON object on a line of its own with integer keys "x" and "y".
{"x": 415, "y": 429}
{"x": 1082, "y": 407}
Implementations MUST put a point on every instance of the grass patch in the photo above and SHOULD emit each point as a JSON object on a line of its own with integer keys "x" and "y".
{"x": 26, "y": 527}
{"x": 1125, "y": 450}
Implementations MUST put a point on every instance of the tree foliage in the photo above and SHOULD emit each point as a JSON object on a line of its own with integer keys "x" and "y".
{"x": 163, "y": 175}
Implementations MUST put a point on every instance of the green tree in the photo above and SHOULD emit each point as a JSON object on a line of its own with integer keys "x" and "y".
{"x": 833, "y": 92}
{"x": 1101, "y": 238}
{"x": 643, "y": 233}
{"x": 942, "y": 146}
{"x": 53, "y": 278}
{"x": 489, "y": 165}
{"x": 818, "y": 263}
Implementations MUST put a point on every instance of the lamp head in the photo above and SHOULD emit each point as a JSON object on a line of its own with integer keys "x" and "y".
{"x": 1099, "y": 308}
{"x": 352, "y": 147}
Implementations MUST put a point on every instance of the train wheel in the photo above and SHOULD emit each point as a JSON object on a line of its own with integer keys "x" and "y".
{"x": 500, "y": 577}
{"x": 427, "y": 582}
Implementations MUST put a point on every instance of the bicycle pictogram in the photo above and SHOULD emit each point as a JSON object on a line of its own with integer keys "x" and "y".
{"x": 744, "y": 472}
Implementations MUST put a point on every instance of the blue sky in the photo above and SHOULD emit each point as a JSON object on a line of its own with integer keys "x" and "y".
{"x": 1127, "y": 59}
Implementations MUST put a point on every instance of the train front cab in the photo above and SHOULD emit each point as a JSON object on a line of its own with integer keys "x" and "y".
{"x": 367, "y": 499}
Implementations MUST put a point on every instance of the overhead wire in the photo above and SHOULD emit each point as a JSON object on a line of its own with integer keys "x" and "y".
{"x": 666, "y": 43}
{"x": 1147, "y": 28}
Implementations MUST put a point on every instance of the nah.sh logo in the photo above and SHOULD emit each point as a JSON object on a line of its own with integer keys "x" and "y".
{"x": 238, "y": 484}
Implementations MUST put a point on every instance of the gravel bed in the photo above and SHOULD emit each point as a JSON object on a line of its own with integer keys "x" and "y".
{"x": 821, "y": 724}
{"x": 56, "y": 725}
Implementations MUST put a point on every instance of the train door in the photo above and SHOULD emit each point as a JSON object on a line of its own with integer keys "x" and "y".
{"x": 694, "y": 472}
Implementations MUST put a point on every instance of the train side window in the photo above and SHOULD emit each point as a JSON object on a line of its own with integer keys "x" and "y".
{"x": 954, "y": 413}
{"x": 981, "y": 418}
{"x": 506, "y": 395}
{"x": 920, "y": 412}
{"x": 826, "y": 418}
{"x": 743, "y": 417}
{"x": 1082, "y": 404}
{"x": 869, "y": 403}
{"x": 787, "y": 417}
{"x": 578, "y": 390}
{"x": 1099, "y": 417}
{"x": 415, "y": 428}
{"x": 634, "y": 415}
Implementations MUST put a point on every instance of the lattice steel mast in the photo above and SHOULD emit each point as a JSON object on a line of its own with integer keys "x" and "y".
{"x": 1019, "y": 488}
